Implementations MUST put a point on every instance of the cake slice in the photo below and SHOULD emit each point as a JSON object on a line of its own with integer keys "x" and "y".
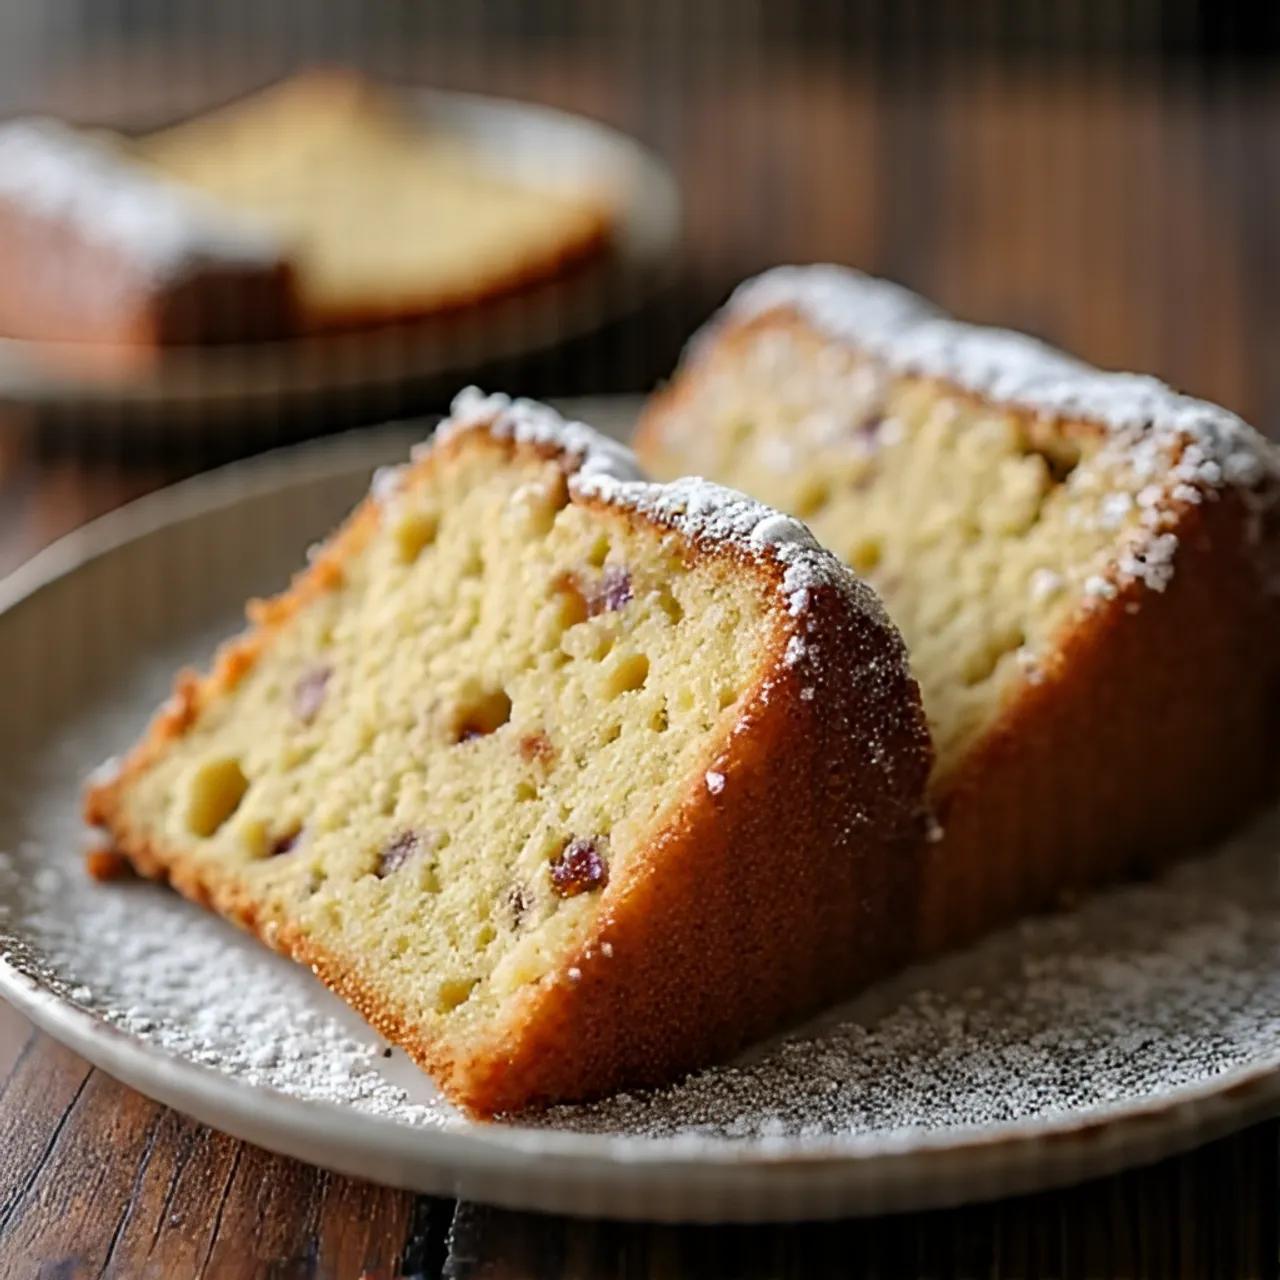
{"x": 565, "y": 780}
{"x": 389, "y": 217}
{"x": 99, "y": 249}
{"x": 316, "y": 204}
{"x": 1083, "y": 565}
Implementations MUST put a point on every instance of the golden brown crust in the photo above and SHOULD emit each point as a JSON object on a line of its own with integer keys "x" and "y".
{"x": 98, "y": 310}
{"x": 193, "y": 692}
{"x": 574, "y": 257}
{"x": 105, "y": 863}
{"x": 1153, "y": 730}
{"x": 754, "y": 905}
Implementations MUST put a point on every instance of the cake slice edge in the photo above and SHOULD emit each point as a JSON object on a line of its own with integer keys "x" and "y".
{"x": 1147, "y": 727}
{"x": 799, "y": 833}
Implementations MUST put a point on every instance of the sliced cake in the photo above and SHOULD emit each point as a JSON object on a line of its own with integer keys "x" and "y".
{"x": 98, "y": 248}
{"x": 317, "y": 204}
{"x": 1083, "y": 565}
{"x": 389, "y": 217}
{"x": 565, "y": 780}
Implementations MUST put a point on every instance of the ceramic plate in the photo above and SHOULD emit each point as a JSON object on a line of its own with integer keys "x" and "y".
{"x": 1145, "y": 1022}
{"x": 532, "y": 142}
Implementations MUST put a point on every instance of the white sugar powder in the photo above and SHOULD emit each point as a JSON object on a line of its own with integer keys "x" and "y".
{"x": 1142, "y": 991}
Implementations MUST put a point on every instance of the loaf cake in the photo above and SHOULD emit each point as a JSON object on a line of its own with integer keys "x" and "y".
{"x": 99, "y": 249}
{"x": 565, "y": 780}
{"x": 1082, "y": 565}
{"x": 388, "y": 217}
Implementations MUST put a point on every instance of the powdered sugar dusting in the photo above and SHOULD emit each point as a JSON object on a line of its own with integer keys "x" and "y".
{"x": 162, "y": 970}
{"x": 1141, "y": 992}
{"x": 911, "y": 335}
{"x": 530, "y": 422}
{"x": 1045, "y": 584}
{"x": 387, "y": 482}
{"x": 63, "y": 174}
{"x": 1166, "y": 450}
{"x": 709, "y": 513}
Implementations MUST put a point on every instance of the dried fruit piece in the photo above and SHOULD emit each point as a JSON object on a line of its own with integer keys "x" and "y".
{"x": 537, "y": 746}
{"x": 612, "y": 592}
{"x": 284, "y": 843}
{"x": 870, "y": 429}
{"x": 607, "y": 594}
{"x": 394, "y": 855}
{"x": 309, "y": 692}
{"x": 580, "y": 867}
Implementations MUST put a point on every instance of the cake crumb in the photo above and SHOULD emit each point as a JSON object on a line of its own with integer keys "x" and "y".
{"x": 104, "y": 862}
{"x": 715, "y": 782}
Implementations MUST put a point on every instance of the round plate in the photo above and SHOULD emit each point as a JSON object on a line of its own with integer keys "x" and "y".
{"x": 1142, "y": 1023}
{"x": 530, "y": 142}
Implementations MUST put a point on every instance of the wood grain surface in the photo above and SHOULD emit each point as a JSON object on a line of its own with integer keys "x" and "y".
{"x": 1133, "y": 219}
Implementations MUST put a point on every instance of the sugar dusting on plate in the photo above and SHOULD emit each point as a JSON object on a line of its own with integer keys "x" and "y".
{"x": 1142, "y": 991}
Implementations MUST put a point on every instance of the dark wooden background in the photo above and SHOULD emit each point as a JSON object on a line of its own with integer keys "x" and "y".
{"x": 1125, "y": 207}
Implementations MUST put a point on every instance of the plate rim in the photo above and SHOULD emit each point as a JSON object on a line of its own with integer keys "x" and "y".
{"x": 918, "y": 1168}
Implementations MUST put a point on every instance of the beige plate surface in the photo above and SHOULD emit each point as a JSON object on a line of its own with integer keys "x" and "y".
{"x": 1143, "y": 1024}
{"x": 539, "y": 143}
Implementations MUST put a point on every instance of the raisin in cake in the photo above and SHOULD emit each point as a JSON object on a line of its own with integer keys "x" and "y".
{"x": 389, "y": 218}
{"x": 98, "y": 248}
{"x": 1081, "y": 564}
{"x": 565, "y": 780}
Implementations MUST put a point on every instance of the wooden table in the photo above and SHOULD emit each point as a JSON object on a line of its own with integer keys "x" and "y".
{"x": 1130, "y": 218}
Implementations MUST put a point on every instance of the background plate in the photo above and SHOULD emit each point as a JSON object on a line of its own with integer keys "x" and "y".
{"x": 1070, "y": 1046}
{"x": 531, "y": 142}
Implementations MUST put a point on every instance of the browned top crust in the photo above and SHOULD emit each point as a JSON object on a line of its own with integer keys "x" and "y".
{"x": 1215, "y": 448}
